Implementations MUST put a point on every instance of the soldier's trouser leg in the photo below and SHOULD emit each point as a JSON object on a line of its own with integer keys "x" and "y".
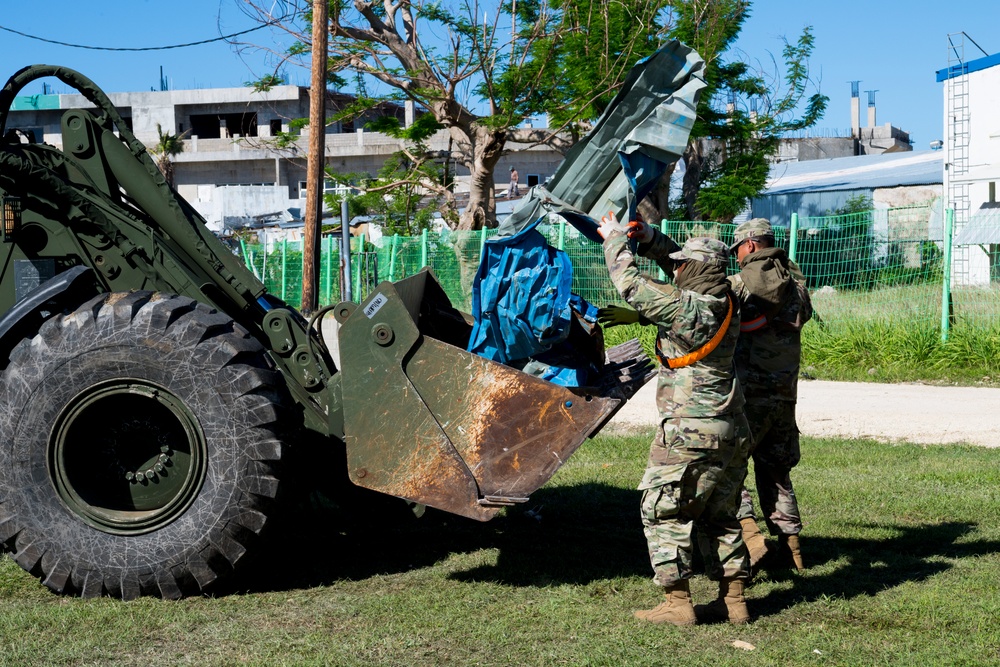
{"x": 777, "y": 500}
{"x": 719, "y": 531}
{"x": 689, "y": 463}
{"x": 775, "y": 453}
{"x": 745, "y": 510}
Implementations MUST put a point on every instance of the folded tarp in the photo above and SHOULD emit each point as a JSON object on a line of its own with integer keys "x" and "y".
{"x": 644, "y": 129}
{"x": 521, "y": 300}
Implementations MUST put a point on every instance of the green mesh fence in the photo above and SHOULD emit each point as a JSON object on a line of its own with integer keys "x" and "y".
{"x": 885, "y": 266}
{"x": 873, "y": 266}
{"x": 974, "y": 294}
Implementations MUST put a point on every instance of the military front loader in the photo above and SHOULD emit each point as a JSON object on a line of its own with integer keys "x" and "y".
{"x": 151, "y": 388}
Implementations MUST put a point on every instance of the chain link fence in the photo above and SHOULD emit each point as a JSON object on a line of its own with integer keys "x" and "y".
{"x": 892, "y": 267}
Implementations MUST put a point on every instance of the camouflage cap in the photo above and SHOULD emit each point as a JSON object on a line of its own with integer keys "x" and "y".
{"x": 702, "y": 249}
{"x": 752, "y": 229}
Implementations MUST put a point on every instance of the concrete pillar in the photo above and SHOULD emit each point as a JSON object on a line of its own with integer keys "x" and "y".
{"x": 871, "y": 116}
{"x": 856, "y": 117}
{"x": 409, "y": 113}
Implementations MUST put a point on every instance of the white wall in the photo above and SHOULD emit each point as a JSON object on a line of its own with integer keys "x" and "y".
{"x": 972, "y": 263}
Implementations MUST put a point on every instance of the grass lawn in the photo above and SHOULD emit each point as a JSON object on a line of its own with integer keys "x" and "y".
{"x": 902, "y": 544}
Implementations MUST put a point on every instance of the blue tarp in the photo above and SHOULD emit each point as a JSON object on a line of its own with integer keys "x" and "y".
{"x": 521, "y": 297}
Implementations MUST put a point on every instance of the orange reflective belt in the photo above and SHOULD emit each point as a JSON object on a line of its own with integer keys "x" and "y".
{"x": 704, "y": 350}
{"x": 754, "y": 324}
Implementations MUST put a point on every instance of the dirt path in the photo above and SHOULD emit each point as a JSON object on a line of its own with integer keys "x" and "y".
{"x": 891, "y": 412}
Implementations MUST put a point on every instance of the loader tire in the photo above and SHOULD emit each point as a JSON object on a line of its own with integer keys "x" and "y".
{"x": 139, "y": 443}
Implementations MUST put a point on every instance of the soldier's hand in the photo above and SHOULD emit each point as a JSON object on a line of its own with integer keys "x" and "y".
{"x": 609, "y": 224}
{"x": 612, "y": 316}
{"x": 639, "y": 231}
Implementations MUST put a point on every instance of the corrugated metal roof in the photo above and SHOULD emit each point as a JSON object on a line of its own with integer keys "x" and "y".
{"x": 858, "y": 172}
{"x": 982, "y": 229}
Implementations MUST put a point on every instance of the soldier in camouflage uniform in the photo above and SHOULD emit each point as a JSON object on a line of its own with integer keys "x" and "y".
{"x": 775, "y": 306}
{"x": 698, "y": 459}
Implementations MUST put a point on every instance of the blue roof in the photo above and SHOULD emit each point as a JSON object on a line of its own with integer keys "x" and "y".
{"x": 968, "y": 67}
{"x": 857, "y": 172}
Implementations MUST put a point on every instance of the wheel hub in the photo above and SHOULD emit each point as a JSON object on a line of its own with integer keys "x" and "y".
{"x": 127, "y": 456}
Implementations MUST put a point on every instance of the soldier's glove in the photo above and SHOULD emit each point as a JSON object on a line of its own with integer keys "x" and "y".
{"x": 612, "y": 316}
{"x": 639, "y": 231}
{"x": 609, "y": 224}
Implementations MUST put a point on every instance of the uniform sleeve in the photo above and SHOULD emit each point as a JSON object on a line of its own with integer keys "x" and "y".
{"x": 656, "y": 301}
{"x": 739, "y": 288}
{"x": 806, "y": 307}
{"x": 659, "y": 250}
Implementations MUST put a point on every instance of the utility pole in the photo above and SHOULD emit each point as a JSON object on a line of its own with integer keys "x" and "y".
{"x": 315, "y": 175}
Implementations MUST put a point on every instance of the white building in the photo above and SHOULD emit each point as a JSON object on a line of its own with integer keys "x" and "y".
{"x": 972, "y": 161}
{"x": 230, "y": 170}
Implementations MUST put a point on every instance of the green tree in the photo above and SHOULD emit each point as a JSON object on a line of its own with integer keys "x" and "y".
{"x": 478, "y": 78}
{"x": 727, "y": 158}
{"x": 167, "y": 146}
{"x": 397, "y": 194}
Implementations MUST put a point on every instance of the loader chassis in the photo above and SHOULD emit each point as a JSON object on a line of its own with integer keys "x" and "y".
{"x": 151, "y": 388}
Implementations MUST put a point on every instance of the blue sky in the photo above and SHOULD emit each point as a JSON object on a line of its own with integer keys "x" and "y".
{"x": 891, "y": 47}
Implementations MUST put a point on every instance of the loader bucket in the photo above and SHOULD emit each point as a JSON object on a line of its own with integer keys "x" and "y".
{"x": 427, "y": 421}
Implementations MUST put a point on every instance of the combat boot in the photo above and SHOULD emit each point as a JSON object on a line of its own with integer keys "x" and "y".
{"x": 676, "y": 609}
{"x": 788, "y": 549}
{"x": 729, "y": 606}
{"x": 754, "y": 539}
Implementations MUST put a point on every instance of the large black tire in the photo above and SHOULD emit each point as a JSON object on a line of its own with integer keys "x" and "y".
{"x": 139, "y": 439}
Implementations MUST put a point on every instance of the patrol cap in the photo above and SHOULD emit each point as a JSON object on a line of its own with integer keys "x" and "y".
{"x": 752, "y": 229}
{"x": 702, "y": 249}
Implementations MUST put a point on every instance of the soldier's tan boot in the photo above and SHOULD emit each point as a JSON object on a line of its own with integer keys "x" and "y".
{"x": 730, "y": 606}
{"x": 754, "y": 539}
{"x": 676, "y": 609}
{"x": 788, "y": 548}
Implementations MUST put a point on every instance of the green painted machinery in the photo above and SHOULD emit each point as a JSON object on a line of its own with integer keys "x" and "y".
{"x": 152, "y": 389}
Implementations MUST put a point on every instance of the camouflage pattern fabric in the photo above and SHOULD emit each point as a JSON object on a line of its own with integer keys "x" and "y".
{"x": 698, "y": 460}
{"x": 685, "y": 321}
{"x": 767, "y": 362}
{"x": 693, "y": 480}
{"x": 775, "y": 453}
{"x": 757, "y": 228}
{"x": 767, "y": 359}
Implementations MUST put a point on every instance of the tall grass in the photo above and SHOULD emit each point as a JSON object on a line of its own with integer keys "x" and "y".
{"x": 880, "y": 351}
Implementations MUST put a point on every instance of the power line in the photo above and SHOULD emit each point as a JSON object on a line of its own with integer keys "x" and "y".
{"x": 143, "y": 48}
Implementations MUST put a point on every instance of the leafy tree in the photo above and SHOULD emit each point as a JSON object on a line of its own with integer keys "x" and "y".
{"x": 457, "y": 60}
{"x": 167, "y": 145}
{"x": 727, "y": 159}
{"x": 396, "y": 195}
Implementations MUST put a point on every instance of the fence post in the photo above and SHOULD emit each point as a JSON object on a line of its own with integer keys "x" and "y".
{"x": 949, "y": 229}
{"x": 345, "y": 253}
{"x": 423, "y": 248}
{"x": 663, "y": 230}
{"x": 392, "y": 257}
{"x": 562, "y": 235}
{"x": 793, "y": 237}
{"x": 284, "y": 267}
{"x": 329, "y": 270}
{"x": 357, "y": 268}
{"x": 246, "y": 255}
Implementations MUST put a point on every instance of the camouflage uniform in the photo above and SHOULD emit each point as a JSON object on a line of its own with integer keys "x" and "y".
{"x": 698, "y": 459}
{"x": 767, "y": 361}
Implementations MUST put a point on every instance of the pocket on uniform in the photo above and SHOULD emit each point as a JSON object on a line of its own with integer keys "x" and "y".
{"x": 707, "y": 434}
{"x": 661, "y": 475}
